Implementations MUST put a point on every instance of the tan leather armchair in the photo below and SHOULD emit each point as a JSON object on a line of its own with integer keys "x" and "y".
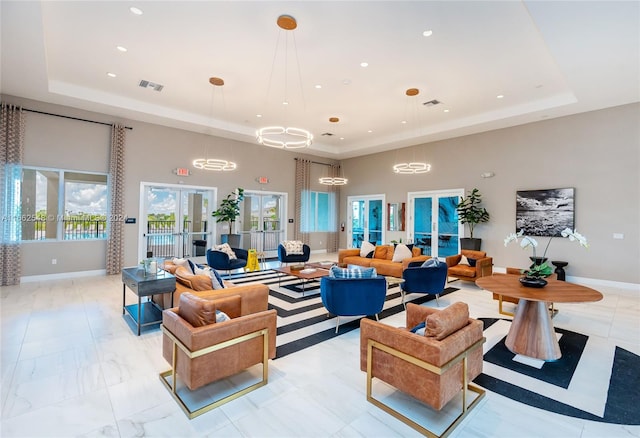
{"x": 483, "y": 265}
{"x": 202, "y": 351}
{"x": 432, "y": 369}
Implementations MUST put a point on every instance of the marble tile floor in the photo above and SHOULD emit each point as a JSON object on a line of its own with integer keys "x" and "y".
{"x": 71, "y": 366}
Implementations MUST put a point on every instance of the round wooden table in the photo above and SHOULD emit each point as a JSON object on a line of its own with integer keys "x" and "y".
{"x": 531, "y": 333}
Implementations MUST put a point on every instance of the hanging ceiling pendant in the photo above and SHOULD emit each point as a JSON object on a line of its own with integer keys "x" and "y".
{"x": 412, "y": 167}
{"x": 333, "y": 180}
{"x": 214, "y": 164}
{"x": 285, "y": 137}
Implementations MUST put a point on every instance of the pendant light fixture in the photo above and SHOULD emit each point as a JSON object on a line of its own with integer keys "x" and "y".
{"x": 413, "y": 167}
{"x": 214, "y": 164}
{"x": 285, "y": 137}
{"x": 334, "y": 180}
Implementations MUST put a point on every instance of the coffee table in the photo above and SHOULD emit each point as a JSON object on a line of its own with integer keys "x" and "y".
{"x": 304, "y": 277}
{"x": 532, "y": 333}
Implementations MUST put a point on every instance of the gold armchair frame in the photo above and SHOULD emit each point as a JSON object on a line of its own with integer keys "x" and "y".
{"x": 193, "y": 354}
{"x": 371, "y": 344}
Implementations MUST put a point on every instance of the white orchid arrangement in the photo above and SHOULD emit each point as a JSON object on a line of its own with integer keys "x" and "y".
{"x": 542, "y": 269}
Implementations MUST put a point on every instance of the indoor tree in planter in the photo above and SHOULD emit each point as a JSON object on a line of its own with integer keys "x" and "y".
{"x": 470, "y": 212}
{"x": 229, "y": 211}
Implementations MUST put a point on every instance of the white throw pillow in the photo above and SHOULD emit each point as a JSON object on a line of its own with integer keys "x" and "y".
{"x": 216, "y": 280}
{"x": 225, "y": 248}
{"x": 366, "y": 248}
{"x": 464, "y": 260}
{"x": 401, "y": 252}
{"x": 182, "y": 262}
{"x": 221, "y": 316}
{"x": 293, "y": 247}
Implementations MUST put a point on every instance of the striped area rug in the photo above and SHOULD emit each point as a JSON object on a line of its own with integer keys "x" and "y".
{"x": 302, "y": 319}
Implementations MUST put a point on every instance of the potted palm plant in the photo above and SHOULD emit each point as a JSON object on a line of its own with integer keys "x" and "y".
{"x": 470, "y": 212}
{"x": 229, "y": 211}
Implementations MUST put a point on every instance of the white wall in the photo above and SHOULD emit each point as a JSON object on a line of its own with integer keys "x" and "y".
{"x": 596, "y": 152}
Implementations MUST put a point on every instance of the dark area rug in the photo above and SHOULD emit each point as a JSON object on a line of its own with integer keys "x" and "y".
{"x": 623, "y": 397}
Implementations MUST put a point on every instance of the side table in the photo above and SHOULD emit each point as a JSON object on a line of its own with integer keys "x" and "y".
{"x": 560, "y": 265}
{"x": 145, "y": 285}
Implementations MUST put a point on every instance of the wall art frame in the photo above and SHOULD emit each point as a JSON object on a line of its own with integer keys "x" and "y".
{"x": 545, "y": 212}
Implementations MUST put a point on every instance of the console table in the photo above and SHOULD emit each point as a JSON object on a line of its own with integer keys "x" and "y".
{"x": 532, "y": 333}
{"x": 145, "y": 285}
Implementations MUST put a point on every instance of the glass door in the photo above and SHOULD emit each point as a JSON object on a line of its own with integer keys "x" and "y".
{"x": 176, "y": 222}
{"x": 433, "y": 222}
{"x": 366, "y": 219}
{"x": 261, "y": 221}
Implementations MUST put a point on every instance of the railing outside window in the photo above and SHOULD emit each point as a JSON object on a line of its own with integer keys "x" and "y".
{"x": 73, "y": 229}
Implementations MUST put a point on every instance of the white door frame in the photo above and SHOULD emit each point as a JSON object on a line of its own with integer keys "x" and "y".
{"x": 366, "y": 198}
{"x": 211, "y": 224}
{"x": 435, "y": 194}
{"x": 283, "y": 213}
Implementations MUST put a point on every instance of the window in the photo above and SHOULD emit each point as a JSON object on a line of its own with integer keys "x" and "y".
{"x": 62, "y": 205}
{"x": 320, "y": 208}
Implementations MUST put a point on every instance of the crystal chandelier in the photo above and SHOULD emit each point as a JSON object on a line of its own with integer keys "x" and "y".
{"x": 285, "y": 137}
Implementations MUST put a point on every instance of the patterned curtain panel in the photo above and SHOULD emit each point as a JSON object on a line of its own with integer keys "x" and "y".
{"x": 333, "y": 238}
{"x": 12, "y": 123}
{"x": 303, "y": 185}
{"x": 115, "y": 242}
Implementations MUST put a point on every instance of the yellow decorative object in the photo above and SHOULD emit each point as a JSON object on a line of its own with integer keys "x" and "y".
{"x": 252, "y": 261}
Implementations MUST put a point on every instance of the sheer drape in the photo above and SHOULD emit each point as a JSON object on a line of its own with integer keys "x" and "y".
{"x": 303, "y": 186}
{"x": 333, "y": 238}
{"x": 115, "y": 242}
{"x": 12, "y": 122}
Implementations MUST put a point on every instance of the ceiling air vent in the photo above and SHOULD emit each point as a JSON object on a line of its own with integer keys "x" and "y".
{"x": 433, "y": 102}
{"x": 152, "y": 85}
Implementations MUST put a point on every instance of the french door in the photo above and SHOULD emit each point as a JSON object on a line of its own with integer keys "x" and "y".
{"x": 433, "y": 223}
{"x": 366, "y": 218}
{"x": 175, "y": 221}
{"x": 262, "y": 221}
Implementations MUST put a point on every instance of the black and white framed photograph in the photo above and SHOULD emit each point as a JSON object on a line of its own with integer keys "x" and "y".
{"x": 545, "y": 212}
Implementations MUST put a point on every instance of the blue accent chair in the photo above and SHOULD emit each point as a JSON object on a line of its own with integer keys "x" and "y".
{"x": 220, "y": 260}
{"x": 424, "y": 280}
{"x": 294, "y": 258}
{"x": 353, "y": 296}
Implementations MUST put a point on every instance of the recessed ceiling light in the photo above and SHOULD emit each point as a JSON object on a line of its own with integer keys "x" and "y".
{"x": 135, "y": 11}
{"x": 111, "y": 75}
{"x": 341, "y": 138}
{"x": 427, "y": 33}
{"x": 285, "y": 103}
{"x": 258, "y": 115}
{"x": 121, "y": 48}
{"x": 318, "y": 86}
{"x": 446, "y": 111}
{"x": 346, "y": 82}
{"x": 370, "y": 131}
{"x": 404, "y": 122}
{"x": 499, "y": 96}
{"x": 364, "y": 64}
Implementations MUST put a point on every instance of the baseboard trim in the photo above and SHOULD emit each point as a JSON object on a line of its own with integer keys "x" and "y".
{"x": 63, "y": 275}
{"x": 608, "y": 283}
